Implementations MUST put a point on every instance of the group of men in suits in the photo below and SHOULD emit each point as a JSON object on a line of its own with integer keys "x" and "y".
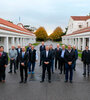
{"x": 23, "y": 58}
{"x": 65, "y": 60}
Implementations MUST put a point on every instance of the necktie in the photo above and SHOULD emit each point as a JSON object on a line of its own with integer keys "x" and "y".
{"x": 23, "y": 54}
{"x": 0, "y": 54}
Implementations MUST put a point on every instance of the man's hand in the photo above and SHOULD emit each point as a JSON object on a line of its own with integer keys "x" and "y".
{"x": 5, "y": 65}
{"x": 22, "y": 64}
{"x": 46, "y": 62}
{"x": 69, "y": 63}
{"x": 12, "y": 58}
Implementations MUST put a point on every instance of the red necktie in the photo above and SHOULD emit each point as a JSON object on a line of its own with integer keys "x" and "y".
{"x": 0, "y": 54}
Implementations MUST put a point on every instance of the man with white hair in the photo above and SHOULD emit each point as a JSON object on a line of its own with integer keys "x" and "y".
{"x": 12, "y": 56}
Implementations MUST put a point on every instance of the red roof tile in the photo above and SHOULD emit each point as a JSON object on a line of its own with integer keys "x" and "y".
{"x": 84, "y": 18}
{"x": 79, "y": 31}
{"x": 6, "y": 23}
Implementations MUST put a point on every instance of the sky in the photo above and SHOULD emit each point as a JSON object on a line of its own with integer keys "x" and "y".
{"x": 47, "y": 13}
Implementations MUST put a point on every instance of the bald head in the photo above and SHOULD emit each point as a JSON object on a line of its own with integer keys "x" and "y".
{"x": 47, "y": 47}
{"x": 23, "y": 49}
{"x": 74, "y": 47}
{"x": 58, "y": 45}
{"x": 42, "y": 42}
{"x": 63, "y": 47}
{"x": 13, "y": 47}
{"x": 69, "y": 47}
{"x": 19, "y": 46}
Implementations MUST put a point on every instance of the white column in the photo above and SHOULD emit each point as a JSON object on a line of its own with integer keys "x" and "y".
{"x": 76, "y": 43}
{"x": 21, "y": 42}
{"x": 83, "y": 44}
{"x": 89, "y": 43}
{"x": 79, "y": 44}
{"x": 6, "y": 44}
{"x": 17, "y": 41}
{"x": 12, "y": 41}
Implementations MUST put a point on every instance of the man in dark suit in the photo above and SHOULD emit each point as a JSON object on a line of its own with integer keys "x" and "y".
{"x": 32, "y": 59}
{"x": 53, "y": 56}
{"x": 86, "y": 61}
{"x": 76, "y": 56}
{"x": 23, "y": 64}
{"x": 46, "y": 64}
{"x": 3, "y": 63}
{"x": 69, "y": 57}
{"x": 19, "y": 50}
{"x": 62, "y": 59}
{"x": 57, "y": 56}
{"x": 42, "y": 48}
{"x": 29, "y": 48}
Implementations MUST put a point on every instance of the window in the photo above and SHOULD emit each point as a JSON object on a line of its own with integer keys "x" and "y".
{"x": 87, "y": 24}
{"x": 80, "y": 26}
{"x": 0, "y": 39}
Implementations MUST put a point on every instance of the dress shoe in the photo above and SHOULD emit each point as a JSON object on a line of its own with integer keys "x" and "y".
{"x": 41, "y": 81}
{"x": 25, "y": 81}
{"x": 66, "y": 81}
{"x": 70, "y": 81}
{"x": 21, "y": 82}
{"x": 15, "y": 72}
{"x": 49, "y": 81}
{"x": 10, "y": 72}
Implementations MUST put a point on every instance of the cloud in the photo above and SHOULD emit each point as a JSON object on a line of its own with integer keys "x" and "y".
{"x": 47, "y": 13}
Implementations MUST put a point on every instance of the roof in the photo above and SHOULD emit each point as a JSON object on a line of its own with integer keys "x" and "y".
{"x": 11, "y": 25}
{"x": 79, "y": 31}
{"x": 83, "y": 18}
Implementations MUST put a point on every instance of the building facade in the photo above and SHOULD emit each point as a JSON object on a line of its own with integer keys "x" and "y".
{"x": 11, "y": 34}
{"x": 78, "y": 32}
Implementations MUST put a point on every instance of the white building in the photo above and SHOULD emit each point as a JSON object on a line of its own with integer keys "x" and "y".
{"x": 11, "y": 34}
{"x": 78, "y": 32}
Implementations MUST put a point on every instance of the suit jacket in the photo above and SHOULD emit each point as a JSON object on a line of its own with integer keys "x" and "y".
{"x": 76, "y": 54}
{"x": 18, "y": 51}
{"x": 47, "y": 59}
{"x": 61, "y": 52}
{"x": 29, "y": 48}
{"x": 23, "y": 60}
{"x": 53, "y": 53}
{"x": 86, "y": 56}
{"x": 4, "y": 59}
{"x": 42, "y": 48}
{"x": 69, "y": 57}
{"x": 57, "y": 53}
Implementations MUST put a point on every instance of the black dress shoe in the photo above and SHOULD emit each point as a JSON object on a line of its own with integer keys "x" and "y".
{"x": 25, "y": 81}
{"x": 70, "y": 81}
{"x": 21, "y": 82}
{"x": 49, "y": 81}
{"x": 10, "y": 72}
{"x": 66, "y": 81}
{"x": 41, "y": 81}
{"x": 15, "y": 72}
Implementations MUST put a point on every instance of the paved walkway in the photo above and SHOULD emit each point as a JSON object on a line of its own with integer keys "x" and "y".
{"x": 57, "y": 90}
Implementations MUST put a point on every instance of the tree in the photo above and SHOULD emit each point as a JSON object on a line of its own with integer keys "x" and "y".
{"x": 41, "y": 34}
{"x": 56, "y": 35}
